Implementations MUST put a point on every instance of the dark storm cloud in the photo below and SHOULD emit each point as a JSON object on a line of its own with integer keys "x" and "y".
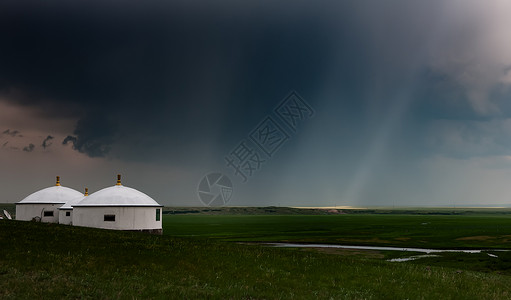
{"x": 157, "y": 79}
{"x": 94, "y": 135}
{"x": 12, "y": 133}
{"x": 47, "y": 142}
{"x": 69, "y": 139}
{"x": 151, "y": 77}
{"x": 400, "y": 87}
{"x": 29, "y": 148}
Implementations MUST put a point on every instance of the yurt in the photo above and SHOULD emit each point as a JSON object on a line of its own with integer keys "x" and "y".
{"x": 43, "y": 205}
{"x": 119, "y": 207}
{"x": 66, "y": 210}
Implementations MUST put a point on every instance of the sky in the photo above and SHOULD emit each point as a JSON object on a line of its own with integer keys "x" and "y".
{"x": 296, "y": 103}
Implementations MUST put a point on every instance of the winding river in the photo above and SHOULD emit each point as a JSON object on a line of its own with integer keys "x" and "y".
{"x": 420, "y": 250}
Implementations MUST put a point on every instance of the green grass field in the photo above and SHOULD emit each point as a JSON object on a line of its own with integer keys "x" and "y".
{"x": 197, "y": 257}
{"x": 431, "y": 231}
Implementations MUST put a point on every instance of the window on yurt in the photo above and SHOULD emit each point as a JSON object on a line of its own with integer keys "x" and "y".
{"x": 157, "y": 214}
{"x": 68, "y": 213}
{"x": 48, "y": 213}
{"x": 109, "y": 218}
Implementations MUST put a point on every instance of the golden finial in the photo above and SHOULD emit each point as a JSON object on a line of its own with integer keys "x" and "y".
{"x": 86, "y": 192}
{"x": 118, "y": 179}
{"x": 58, "y": 181}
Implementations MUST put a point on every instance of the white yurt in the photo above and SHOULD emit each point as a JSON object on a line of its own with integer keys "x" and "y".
{"x": 119, "y": 207}
{"x": 43, "y": 205}
{"x": 66, "y": 210}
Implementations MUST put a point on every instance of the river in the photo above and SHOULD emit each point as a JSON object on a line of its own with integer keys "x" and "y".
{"x": 420, "y": 250}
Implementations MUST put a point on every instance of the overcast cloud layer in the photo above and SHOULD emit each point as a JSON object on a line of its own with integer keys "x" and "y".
{"x": 411, "y": 98}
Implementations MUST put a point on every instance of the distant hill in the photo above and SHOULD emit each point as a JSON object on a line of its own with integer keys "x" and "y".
{"x": 269, "y": 210}
{"x": 274, "y": 210}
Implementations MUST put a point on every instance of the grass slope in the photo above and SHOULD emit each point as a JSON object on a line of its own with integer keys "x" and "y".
{"x": 48, "y": 261}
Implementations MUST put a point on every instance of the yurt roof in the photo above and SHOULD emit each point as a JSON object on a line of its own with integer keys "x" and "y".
{"x": 117, "y": 195}
{"x": 52, "y": 195}
{"x": 70, "y": 203}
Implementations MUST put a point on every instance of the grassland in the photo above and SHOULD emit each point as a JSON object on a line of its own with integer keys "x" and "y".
{"x": 198, "y": 257}
{"x": 402, "y": 230}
